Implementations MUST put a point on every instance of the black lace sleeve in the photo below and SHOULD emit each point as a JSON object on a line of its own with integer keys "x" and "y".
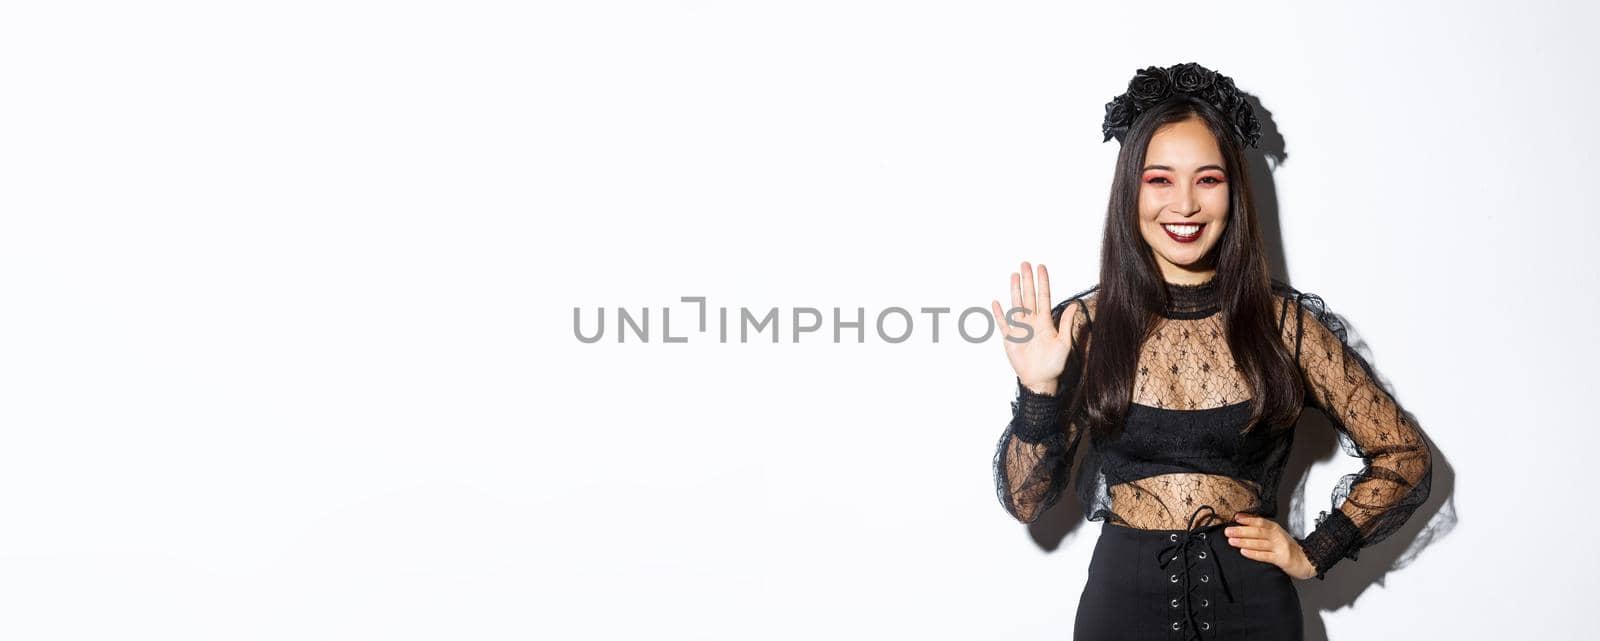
{"x": 1033, "y": 457}
{"x": 1371, "y": 504}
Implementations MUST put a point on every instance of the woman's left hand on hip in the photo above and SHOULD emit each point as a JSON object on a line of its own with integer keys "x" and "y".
{"x": 1262, "y": 539}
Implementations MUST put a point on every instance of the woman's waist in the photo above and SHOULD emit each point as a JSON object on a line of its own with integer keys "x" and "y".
{"x": 1195, "y": 514}
{"x": 1125, "y": 529}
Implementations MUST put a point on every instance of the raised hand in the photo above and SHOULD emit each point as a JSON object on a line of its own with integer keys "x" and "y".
{"x": 1040, "y": 359}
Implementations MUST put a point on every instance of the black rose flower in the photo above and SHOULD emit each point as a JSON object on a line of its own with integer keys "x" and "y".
{"x": 1244, "y": 119}
{"x": 1190, "y": 77}
{"x": 1150, "y": 85}
{"x": 1223, "y": 94}
{"x": 1119, "y": 115}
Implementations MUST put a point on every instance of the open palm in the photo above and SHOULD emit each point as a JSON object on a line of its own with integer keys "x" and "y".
{"x": 1039, "y": 360}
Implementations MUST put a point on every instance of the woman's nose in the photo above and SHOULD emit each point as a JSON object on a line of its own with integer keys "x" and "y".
{"x": 1187, "y": 204}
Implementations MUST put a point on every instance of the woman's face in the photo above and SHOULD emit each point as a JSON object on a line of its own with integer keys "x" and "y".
{"x": 1183, "y": 200}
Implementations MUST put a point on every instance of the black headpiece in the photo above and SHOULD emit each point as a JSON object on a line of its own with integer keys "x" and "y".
{"x": 1152, "y": 85}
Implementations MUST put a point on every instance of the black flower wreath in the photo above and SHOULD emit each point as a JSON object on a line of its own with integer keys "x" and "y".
{"x": 1152, "y": 85}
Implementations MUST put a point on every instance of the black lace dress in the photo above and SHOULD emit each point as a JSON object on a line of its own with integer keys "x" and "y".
{"x": 1180, "y": 468}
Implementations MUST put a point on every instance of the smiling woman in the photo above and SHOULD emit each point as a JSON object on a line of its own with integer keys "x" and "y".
{"x": 1185, "y": 369}
{"x": 1183, "y": 199}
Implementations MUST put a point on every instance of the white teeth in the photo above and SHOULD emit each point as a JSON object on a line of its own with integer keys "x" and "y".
{"x": 1183, "y": 230}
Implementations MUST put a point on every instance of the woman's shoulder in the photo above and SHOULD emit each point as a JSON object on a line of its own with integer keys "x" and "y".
{"x": 1291, "y": 300}
{"x": 1301, "y": 311}
{"x": 1084, "y": 301}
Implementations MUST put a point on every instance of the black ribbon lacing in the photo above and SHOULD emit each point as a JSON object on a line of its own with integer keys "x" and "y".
{"x": 1180, "y": 549}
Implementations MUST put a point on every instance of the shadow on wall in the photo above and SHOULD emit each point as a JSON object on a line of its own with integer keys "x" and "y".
{"x": 1315, "y": 441}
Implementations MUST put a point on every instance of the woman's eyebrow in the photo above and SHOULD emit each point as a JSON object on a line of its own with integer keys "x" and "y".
{"x": 1201, "y": 168}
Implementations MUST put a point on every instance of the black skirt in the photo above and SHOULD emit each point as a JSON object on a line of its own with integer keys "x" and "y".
{"x": 1183, "y": 585}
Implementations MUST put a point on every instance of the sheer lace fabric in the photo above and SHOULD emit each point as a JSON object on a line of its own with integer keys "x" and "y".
{"x": 1181, "y": 445}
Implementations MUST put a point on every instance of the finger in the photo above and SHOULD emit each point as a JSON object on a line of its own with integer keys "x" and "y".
{"x": 1000, "y": 318}
{"x": 1044, "y": 288}
{"x": 1068, "y": 316}
{"x": 1251, "y": 544}
{"x": 1016, "y": 290}
{"x": 1245, "y": 532}
{"x": 1028, "y": 299}
{"x": 1258, "y": 555}
{"x": 1245, "y": 519}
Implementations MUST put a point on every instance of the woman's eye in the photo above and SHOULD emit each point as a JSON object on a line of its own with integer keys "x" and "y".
{"x": 1157, "y": 180}
{"x": 1214, "y": 180}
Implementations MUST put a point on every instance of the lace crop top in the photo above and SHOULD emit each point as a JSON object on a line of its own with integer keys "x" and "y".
{"x": 1180, "y": 445}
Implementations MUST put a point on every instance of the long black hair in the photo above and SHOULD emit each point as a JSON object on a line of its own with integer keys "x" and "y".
{"x": 1132, "y": 291}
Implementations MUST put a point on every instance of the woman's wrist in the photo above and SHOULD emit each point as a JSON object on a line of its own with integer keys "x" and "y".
{"x": 1036, "y": 416}
{"x": 1047, "y": 387}
{"x": 1335, "y": 537}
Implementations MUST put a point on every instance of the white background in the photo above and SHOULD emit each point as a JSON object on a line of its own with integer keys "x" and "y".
{"x": 288, "y": 292}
